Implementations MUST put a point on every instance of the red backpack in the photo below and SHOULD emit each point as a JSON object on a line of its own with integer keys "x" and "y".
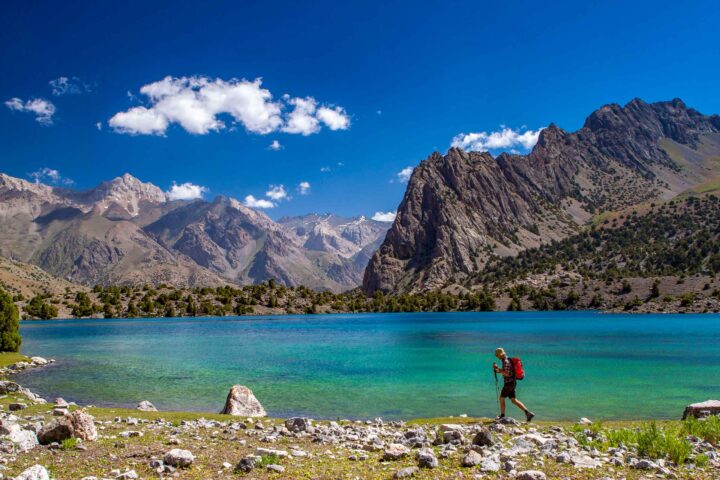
{"x": 517, "y": 368}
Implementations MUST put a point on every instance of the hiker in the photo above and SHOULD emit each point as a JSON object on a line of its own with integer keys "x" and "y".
{"x": 509, "y": 384}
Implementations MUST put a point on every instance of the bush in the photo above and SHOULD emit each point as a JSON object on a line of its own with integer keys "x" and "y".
{"x": 10, "y": 339}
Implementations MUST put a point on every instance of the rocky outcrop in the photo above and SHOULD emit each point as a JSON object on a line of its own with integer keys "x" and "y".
{"x": 242, "y": 402}
{"x": 464, "y": 208}
{"x": 146, "y": 406}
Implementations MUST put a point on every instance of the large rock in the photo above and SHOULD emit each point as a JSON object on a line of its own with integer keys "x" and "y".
{"x": 83, "y": 425}
{"x": 426, "y": 458}
{"x": 146, "y": 406}
{"x": 179, "y": 458}
{"x": 241, "y": 402}
{"x": 36, "y": 472}
{"x": 395, "y": 451}
{"x": 8, "y": 387}
{"x": 702, "y": 409}
{"x": 56, "y": 431}
{"x": 24, "y": 440}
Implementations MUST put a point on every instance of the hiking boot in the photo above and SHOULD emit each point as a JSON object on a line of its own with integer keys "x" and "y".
{"x": 529, "y": 415}
{"x": 500, "y": 417}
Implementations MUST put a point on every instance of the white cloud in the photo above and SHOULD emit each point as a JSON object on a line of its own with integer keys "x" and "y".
{"x": 186, "y": 191}
{"x": 503, "y": 139}
{"x": 275, "y": 146}
{"x": 139, "y": 121}
{"x": 302, "y": 119}
{"x": 325, "y": 169}
{"x": 69, "y": 86}
{"x": 195, "y": 103}
{"x": 384, "y": 216}
{"x": 303, "y": 188}
{"x": 404, "y": 174}
{"x": 253, "y": 202}
{"x": 49, "y": 176}
{"x": 276, "y": 192}
{"x": 98, "y": 125}
{"x": 43, "y": 109}
{"x": 335, "y": 118}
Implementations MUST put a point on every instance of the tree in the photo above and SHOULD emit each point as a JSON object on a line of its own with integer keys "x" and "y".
{"x": 10, "y": 338}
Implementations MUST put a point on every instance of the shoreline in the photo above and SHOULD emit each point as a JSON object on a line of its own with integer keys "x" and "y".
{"x": 267, "y": 447}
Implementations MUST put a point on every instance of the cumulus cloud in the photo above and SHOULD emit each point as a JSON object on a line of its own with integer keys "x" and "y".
{"x": 253, "y": 202}
{"x": 335, "y": 118}
{"x": 139, "y": 121}
{"x": 324, "y": 169}
{"x": 49, "y": 176}
{"x": 384, "y": 216}
{"x": 403, "y": 175}
{"x": 195, "y": 103}
{"x": 302, "y": 119}
{"x": 276, "y": 192}
{"x": 43, "y": 109}
{"x": 503, "y": 139}
{"x": 275, "y": 146}
{"x": 69, "y": 86}
{"x": 186, "y": 191}
{"x": 303, "y": 188}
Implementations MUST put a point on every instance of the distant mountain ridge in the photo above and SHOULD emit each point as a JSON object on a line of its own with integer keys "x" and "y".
{"x": 128, "y": 231}
{"x": 462, "y": 209}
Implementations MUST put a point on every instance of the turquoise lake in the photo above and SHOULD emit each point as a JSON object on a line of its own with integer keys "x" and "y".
{"x": 577, "y": 364}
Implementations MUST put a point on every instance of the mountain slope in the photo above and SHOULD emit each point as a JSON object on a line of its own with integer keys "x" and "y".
{"x": 463, "y": 209}
{"x": 127, "y": 231}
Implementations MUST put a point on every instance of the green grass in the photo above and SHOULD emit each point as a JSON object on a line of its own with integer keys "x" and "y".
{"x": 69, "y": 443}
{"x": 266, "y": 460}
{"x": 8, "y": 358}
{"x": 708, "y": 429}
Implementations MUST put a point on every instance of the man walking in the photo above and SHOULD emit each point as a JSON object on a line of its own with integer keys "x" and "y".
{"x": 509, "y": 384}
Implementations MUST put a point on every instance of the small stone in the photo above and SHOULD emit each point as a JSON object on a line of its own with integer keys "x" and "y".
{"x": 127, "y": 475}
{"x": 472, "y": 459}
{"x": 276, "y": 468}
{"x": 406, "y": 472}
{"x": 14, "y": 407}
{"x": 645, "y": 465}
{"x": 179, "y": 458}
{"x": 246, "y": 464}
{"x": 484, "y": 438}
{"x": 39, "y": 361}
{"x": 585, "y": 421}
{"x": 490, "y": 465}
{"x": 261, "y": 452}
{"x": 36, "y": 472}
{"x": 531, "y": 475}
{"x": 426, "y": 458}
{"x": 298, "y": 424}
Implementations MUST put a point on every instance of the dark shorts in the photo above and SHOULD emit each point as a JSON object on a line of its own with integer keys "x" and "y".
{"x": 508, "y": 390}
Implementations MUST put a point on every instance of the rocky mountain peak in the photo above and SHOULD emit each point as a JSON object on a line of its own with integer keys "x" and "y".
{"x": 463, "y": 208}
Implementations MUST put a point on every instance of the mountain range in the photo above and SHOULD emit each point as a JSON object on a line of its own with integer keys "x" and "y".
{"x": 127, "y": 231}
{"x": 463, "y": 210}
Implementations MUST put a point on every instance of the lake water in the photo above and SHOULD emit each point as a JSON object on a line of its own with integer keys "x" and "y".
{"x": 389, "y": 365}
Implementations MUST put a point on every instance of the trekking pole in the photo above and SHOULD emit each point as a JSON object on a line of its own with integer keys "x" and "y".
{"x": 497, "y": 393}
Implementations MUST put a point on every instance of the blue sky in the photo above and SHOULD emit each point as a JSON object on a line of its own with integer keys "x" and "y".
{"x": 394, "y": 81}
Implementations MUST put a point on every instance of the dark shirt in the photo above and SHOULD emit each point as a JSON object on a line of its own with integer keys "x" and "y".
{"x": 508, "y": 370}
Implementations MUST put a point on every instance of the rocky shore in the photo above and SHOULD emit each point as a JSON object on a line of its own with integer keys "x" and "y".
{"x": 41, "y": 440}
